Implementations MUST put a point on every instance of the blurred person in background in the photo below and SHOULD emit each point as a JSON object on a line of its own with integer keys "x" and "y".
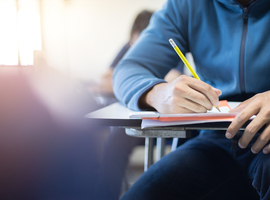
{"x": 104, "y": 86}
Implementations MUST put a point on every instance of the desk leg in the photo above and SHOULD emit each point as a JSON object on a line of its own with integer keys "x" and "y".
{"x": 148, "y": 153}
{"x": 160, "y": 147}
{"x": 174, "y": 144}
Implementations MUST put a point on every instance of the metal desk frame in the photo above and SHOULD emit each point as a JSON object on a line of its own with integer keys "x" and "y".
{"x": 118, "y": 115}
{"x": 161, "y": 134}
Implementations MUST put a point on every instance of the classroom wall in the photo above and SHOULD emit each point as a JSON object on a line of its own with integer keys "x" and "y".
{"x": 81, "y": 37}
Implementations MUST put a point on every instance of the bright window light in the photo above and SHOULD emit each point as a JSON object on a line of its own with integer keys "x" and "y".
{"x": 8, "y": 33}
{"x": 21, "y": 33}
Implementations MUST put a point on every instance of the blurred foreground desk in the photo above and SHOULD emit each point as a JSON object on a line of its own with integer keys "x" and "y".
{"x": 118, "y": 115}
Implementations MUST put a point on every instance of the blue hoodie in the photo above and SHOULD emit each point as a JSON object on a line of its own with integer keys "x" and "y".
{"x": 230, "y": 45}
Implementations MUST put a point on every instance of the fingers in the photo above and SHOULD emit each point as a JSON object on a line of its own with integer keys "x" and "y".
{"x": 256, "y": 105}
{"x": 194, "y": 100}
{"x": 208, "y": 92}
{"x": 262, "y": 140}
{"x": 191, "y": 107}
{"x": 250, "y": 131}
{"x": 201, "y": 93}
{"x": 241, "y": 106}
{"x": 217, "y": 91}
{"x": 240, "y": 119}
{"x": 205, "y": 89}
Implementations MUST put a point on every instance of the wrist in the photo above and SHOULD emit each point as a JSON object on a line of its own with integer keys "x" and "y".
{"x": 150, "y": 98}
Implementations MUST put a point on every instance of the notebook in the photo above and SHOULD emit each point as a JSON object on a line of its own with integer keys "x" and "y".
{"x": 154, "y": 119}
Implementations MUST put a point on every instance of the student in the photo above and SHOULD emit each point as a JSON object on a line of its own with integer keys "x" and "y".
{"x": 104, "y": 86}
{"x": 229, "y": 41}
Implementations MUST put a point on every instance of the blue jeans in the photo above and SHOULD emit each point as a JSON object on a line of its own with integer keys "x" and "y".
{"x": 208, "y": 166}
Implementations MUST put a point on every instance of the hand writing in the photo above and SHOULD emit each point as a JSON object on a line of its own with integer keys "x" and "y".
{"x": 183, "y": 95}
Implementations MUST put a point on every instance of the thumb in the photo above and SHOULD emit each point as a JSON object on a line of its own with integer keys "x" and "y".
{"x": 217, "y": 91}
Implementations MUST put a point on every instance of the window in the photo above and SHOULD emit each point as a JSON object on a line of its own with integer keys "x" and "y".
{"x": 20, "y": 32}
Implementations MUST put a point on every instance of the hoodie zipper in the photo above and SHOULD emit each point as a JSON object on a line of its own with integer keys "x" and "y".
{"x": 242, "y": 51}
{"x": 243, "y": 46}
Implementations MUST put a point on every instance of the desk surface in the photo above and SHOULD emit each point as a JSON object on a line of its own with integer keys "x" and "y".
{"x": 118, "y": 115}
{"x": 115, "y": 114}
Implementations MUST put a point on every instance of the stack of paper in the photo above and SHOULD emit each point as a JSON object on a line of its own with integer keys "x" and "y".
{"x": 155, "y": 119}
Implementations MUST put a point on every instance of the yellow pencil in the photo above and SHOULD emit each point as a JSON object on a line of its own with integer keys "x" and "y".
{"x": 180, "y": 54}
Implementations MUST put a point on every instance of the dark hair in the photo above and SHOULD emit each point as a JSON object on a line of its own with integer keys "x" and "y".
{"x": 141, "y": 21}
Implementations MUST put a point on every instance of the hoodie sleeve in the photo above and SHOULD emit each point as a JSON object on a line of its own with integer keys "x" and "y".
{"x": 152, "y": 57}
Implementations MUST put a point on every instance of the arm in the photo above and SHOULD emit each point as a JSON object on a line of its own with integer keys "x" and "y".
{"x": 151, "y": 57}
{"x": 139, "y": 78}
